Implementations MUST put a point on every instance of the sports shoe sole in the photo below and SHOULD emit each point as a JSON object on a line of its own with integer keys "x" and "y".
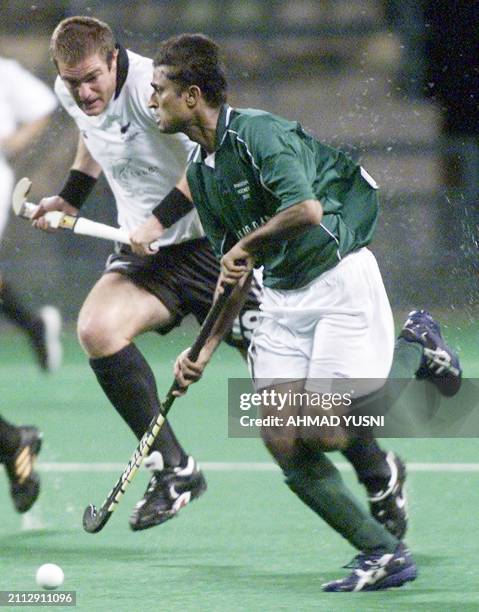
{"x": 408, "y": 574}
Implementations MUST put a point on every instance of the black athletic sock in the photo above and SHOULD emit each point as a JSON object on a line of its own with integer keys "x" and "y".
{"x": 129, "y": 383}
{"x": 369, "y": 462}
{"x": 9, "y": 439}
{"x": 13, "y": 308}
{"x": 364, "y": 453}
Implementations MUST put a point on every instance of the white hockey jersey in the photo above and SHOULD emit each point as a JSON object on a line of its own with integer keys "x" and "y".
{"x": 140, "y": 163}
{"x": 23, "y": 99}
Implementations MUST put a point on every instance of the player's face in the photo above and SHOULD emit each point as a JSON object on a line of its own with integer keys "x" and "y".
{"x": 172, "y": 112}
{"x": 91, "y": 82}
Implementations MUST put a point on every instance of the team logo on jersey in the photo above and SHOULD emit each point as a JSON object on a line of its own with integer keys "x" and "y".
{"x": 113, "y": 122}
{"x": 131, "y": 136}
{"x": 243, "y": 189}
{"x": 128, "y": 135}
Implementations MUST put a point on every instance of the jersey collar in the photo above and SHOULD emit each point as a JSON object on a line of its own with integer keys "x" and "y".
{"x": 121, "y": 69}
{"x": 224, "y": 120}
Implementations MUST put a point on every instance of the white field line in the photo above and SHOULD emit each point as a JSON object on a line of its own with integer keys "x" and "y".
{"x": 246, "y": 467}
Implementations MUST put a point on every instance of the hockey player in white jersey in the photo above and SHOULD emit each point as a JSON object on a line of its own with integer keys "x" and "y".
{"x": 106, "y": 88}
{"x": 26, "y": 104}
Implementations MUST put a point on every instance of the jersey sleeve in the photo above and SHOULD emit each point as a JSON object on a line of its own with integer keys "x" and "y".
{"x": 286, "y": 165}
{"x": 30, "y": 98}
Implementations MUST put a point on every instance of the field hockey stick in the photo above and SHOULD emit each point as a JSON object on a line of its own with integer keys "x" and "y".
{"x": 95, "y": 519}
{"x": 57, "y": 219}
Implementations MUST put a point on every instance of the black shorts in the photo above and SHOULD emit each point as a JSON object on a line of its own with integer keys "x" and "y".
{"x": 183, "y": 277}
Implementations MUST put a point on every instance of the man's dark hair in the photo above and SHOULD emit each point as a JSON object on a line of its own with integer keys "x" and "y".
{"x": 194, "y": 59}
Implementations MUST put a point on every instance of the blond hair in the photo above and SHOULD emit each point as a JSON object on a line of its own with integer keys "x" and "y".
{"x": 77, "y": 38}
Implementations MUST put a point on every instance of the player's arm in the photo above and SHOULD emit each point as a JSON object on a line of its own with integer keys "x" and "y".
{"x": 23, "y": 136}
{"x": 287, "y": 224}
{"x": 186, "y": 371}
{"x": 287, "y": 169}
{"x": 81, "y": 180}
{"x": 175, "y": 205}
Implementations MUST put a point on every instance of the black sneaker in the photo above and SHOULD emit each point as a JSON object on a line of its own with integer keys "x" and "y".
{"x": 440, "y": 364}
{"x": 389, "y": 506}
{"x": 24, "y": 482}
{"x": 376, "y": 571}
{"x": 45, "y": 337}
{"x": 169, "y": 490}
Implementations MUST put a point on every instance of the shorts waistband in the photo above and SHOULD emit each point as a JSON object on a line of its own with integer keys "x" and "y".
{"x": 187, "y": 245}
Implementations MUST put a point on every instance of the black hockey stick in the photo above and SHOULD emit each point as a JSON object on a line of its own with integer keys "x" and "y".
{"x": 95, "y": 519}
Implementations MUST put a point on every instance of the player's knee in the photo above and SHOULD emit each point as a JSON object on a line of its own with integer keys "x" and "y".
{"x": 326, "y": 443}
{"x": 283, "y": 448}
{"x": 96, "y": 334}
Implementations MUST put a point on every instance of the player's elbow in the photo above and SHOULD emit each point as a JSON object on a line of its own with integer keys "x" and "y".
{"x": 312, "y": 212}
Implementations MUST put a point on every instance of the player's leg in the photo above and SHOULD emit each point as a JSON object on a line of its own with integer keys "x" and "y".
{"x": 354, "y": 340}
{"x": 184, "y": 280}
{"x": 283, "y": 348}
{"x": 43, "y": 327}
{"x": 114, "y": 313}
{"x": 384, "y": 473}
{"x": 19, "y": 447}
{"x": 422, "y": 349}
{"x": 316, "y": 481}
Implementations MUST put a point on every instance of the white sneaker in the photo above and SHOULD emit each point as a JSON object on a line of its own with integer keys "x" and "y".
{"x": 46, "y": 340}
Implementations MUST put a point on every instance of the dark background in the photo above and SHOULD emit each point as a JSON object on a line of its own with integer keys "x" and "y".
{"x": 366, "y": 76}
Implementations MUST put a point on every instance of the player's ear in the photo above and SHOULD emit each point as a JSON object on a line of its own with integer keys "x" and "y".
{"x": 193, "y": 94}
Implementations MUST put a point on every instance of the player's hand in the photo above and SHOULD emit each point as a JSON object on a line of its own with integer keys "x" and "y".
{"x": 142, "y": 239}
{"x": 187, "y": 372}
{"x": 235, "y": 264}
{"x": 47, "y": 205}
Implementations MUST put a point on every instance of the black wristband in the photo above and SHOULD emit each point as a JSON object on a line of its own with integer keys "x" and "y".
{"x": 172, "y": 207}
{"x": 77, "y": 188}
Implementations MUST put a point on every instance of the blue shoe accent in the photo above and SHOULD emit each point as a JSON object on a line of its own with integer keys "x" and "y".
{"x": 440, "y": 363}
{"x": 376, "y": 571}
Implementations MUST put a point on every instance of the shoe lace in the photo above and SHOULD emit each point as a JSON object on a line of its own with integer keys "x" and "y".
{"x": 363, "y": 560}
{"x": 423, "y": 318}
{"x": 158, "y": 485}
{"x": 161, "y": 494}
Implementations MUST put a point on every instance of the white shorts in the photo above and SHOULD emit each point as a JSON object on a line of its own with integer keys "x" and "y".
{"x": 340, "y": 326}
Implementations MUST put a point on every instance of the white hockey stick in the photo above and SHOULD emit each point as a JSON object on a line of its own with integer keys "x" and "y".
{"x": 56, "y": 219}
